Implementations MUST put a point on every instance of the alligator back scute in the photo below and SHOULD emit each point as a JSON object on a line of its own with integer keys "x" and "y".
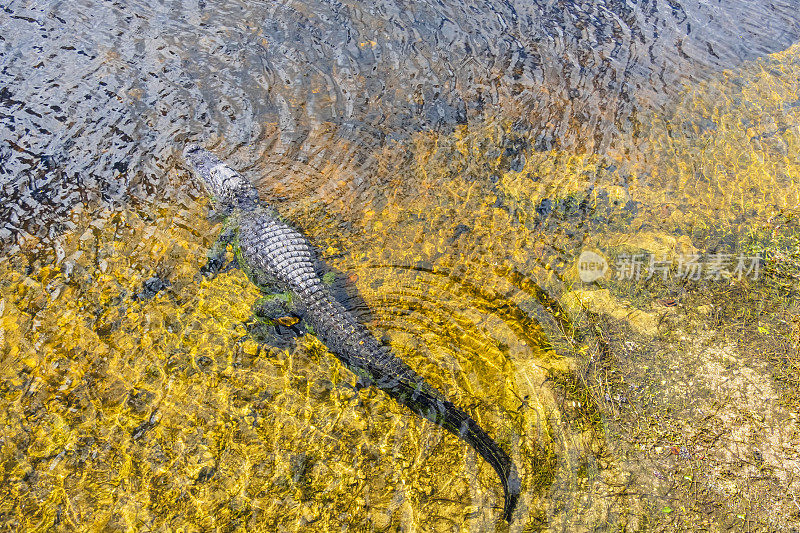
{"x": 279, "y": 251}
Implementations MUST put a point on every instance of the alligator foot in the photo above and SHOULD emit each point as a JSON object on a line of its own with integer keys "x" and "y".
{"x": 216, "y": 265}
{"x": 213, "y": 266}
{"x": 217, "y": 256}
{"x": 276, "y": 322}
{"x": 265, "y": 332}
{"x": 361, "y": 383}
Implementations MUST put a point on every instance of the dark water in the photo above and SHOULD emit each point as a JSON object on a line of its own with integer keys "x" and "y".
{"x": 95, "y": 96}
{"x": 451, "y": 161}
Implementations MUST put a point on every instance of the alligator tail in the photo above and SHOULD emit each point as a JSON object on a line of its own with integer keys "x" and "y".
{"x": 464, "y": 426}
{"x": 456, "y": 421}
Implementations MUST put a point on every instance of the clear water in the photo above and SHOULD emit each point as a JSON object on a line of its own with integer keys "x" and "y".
{"x": 454, "y": 163}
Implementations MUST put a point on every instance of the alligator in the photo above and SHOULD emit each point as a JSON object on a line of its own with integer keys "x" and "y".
{"x": 278, "y": 258}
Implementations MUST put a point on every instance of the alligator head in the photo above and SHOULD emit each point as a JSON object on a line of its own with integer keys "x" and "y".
{"x": 225, "y": 185}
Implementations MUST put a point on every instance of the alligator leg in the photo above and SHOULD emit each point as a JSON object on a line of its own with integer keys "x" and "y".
{"x": 218, "y": 254}
{"x": 277, "y": 310}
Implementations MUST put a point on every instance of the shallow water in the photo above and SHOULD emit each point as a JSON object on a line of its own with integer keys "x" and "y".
{"x": 451, "y": 162}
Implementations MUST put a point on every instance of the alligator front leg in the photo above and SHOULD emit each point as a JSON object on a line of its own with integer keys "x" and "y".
{"x": 277, "y": 317}
{"x": 277, "y": 308}
{"x": 218, "y": 254}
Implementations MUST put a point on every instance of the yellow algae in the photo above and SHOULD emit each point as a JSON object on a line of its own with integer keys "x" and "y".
{"x": 126, "y": 410}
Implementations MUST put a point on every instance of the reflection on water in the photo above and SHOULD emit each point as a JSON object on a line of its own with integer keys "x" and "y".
{"x": 95, "y": 95}
{"x": 450, "y": 161}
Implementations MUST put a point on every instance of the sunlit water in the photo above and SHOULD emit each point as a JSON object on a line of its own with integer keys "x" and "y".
{"x": 451, "y": 162}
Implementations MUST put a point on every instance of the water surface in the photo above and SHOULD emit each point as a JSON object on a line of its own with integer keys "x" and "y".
{"x": 451, "y": 162}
